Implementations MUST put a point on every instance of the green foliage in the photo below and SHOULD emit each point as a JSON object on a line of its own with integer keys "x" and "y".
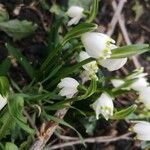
{"x": 15, "y": 105}
{"x": 10, "y": 146}
{"x": 18, "y": 29}
{"x": 4, "y": 67}
{"x": 131, "y": 50}
{"x": 4, "y": 85}
{"x": 93, "y": 11}
{"x": 124, "y": 112}
{"x": 21, "y": 59}
{"x": 4, "y": 16}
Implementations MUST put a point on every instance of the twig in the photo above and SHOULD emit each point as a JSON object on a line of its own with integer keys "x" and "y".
{"x": 115, "y": 17}
{"x": 30, "y": 121}
{"x": 100, "y": 139}
{"x": 125, "y": 33}
{"x": 47, "y": 130}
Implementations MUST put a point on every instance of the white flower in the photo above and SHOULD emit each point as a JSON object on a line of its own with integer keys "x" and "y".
{"x": 103, "y": 105}
{"x": 68, "y": 87}
{"x": 97, "y": 45}
{"x": 76, "y": 13}
{"x": 139, "y": 84}
{"x": 144, "y": 96}
{"x": 90, "y": 67}
{"x": 3, "y": 101}
{"x": 142, "y": 129}
{"x": 113, "y": 64}
{"x": 117, "y": 82}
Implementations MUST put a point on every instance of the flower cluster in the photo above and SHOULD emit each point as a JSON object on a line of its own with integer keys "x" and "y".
{"x": 100, "y": 47}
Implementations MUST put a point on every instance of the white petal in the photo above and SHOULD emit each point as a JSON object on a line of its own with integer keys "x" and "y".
{"x": 143, "y": 137}
{"x": 142, "y": 127}
{"x": 75, "y": 11}
{"x": 67, "y": 91}
{"x": 117, "y": 82}
{"x": 3, "y": 101}
{"x": 97, "y": 45}
{"x": 144, "y": 96}
{"x": 68, "y": 82}
{"x": 74, "y": 20}
{"x": 113, "y": 64}
{"x": 139, "y": 84}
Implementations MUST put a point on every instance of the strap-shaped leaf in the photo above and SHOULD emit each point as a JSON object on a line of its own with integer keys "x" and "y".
{"x": 79, "y": 30}
{"x": 69, "y": 70}
{"x": 74, "y": 33}
{"x": 15, "y": 105}
{"x": 4, "y": 85}
{"x": 93, "y": 10}
{"x": 18, "y": 29}
{"x": 21, "y": 59}
{"x": 130, "y": 50}
{"x": 4, "y": 67}
{"x": 90, "y": 91}
{"x": 122, "y": 114}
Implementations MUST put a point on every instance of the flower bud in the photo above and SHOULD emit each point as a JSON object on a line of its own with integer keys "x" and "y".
{"x": 76, "y": 13}
{"x": 68, "y": 87}
{"x": 97, "y": 45}
{"x": 117, "y": 82}
{"x": 3, "y": 101}
{"x": 144, "y": 96}
{"x": 103, "y": 105}
{"x": 142, "y": 129}
{"x": 91, "y": 67}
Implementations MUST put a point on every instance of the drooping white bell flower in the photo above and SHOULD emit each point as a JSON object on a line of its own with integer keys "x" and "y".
{"x": 117, "y": 82}
{"x": 113, "y": 64}
{"x": 76, "y": 13}
{"x": 97, "y": 45}
{"x": 103, "y": 105}
{"x": 144, "y": 96}
{"x": 142, "y": 129}
{"x": 90, "y": 67}
{"x": 139, "y": 84}
{"x": 3, "y": 101}
{"x": 68, "y": 87}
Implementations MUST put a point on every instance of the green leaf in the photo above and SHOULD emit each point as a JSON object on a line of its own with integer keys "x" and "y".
{"x": 4, "y": 67}
{"x": 4, "y": 85}
{"x": 90, "y": 91}
{"x": 15, "y": 105}
{"x": 11, "y": 146}
{"x": 6, "y": 119}
{"x": 69, "y": 70}
{"x": 21, "y": 59}
{"x": 4, "y": 16}
{"x": 122, "y": 114}
{"x": 93, "y": 10}
{"x": 79, "y": 30}
{"x": 74, "y": 33}
{"x": 18, "y": 29}
{"x": 130, "y": 50}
